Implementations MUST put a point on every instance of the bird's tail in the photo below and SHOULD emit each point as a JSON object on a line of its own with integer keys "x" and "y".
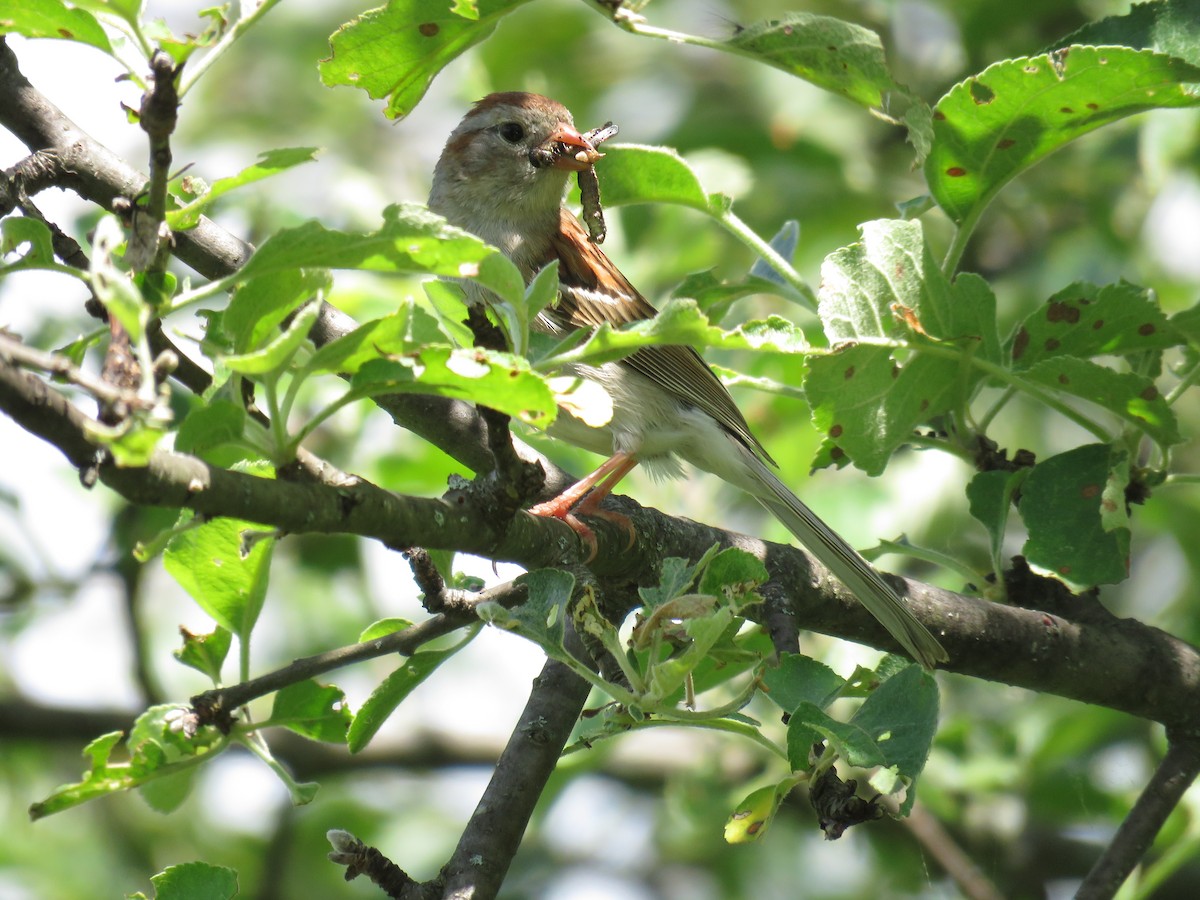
{"x": 843, "y": 561}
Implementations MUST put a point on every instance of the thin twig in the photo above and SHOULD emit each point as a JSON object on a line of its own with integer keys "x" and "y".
{"x": 1174, "y": 775}
{"x": 28, "y": 357}
{"x": 404, "y": 642}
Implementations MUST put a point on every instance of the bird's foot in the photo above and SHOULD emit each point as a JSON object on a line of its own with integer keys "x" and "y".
{"x": 569, "y": 514}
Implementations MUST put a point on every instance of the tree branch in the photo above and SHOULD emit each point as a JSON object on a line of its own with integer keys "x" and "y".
{"x": 1174, "y": 775}
{"x": 491, "y": 838}
{"x": 1079, "y": 651}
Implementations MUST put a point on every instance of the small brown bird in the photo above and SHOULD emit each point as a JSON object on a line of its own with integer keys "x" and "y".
{"x": 502, "y": 176}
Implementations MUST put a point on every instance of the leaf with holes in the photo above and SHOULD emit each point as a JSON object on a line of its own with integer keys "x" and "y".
{"x": 993, "y": 126}
{"x": 1166, "y": 26}
{"x": 905, "y": 333}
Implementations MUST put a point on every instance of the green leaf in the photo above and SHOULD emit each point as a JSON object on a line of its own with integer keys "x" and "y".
{"x": 393, "y": 690}
{"x": 990, "y": 497}
{"x": 1128, "y": 395}
{"x": 715, "y": 297}
{"x": 205, "y": 652}
{"x": 270, "y": 162}
{"x": 18, "y": 230}
{"x": 907, "y": 335}
{"x": 753, "y": 816}
{"x": 315, "y": 711}
{"x": 800, "y": 679}
{"x": 541, "y": 617}
{"x": 412, "y": 240}
{"x": 675, "y": 577}
{"x": 261, "y": 304}
{"x": 498, "y": 380}
{"x": 382, "y": 628}
{"x": 376, "y": 339}
{"x": 991, "y": 127}
{"x": 732, "y": 574}
{"x": 157, "y": 751}
{"x": 1084, "y": 320}
{"x": 211, "y": 425}
{"x": 809, "y": 723}
{"x": 678, "y": 322}
{"x": 1166, "y": 26}
{"x": 113, "y": 286}
{"x": 632, "y": 173}
{"x": 901, "y": 717}
{"x": 195, "y": 881}
{"x": 276, "y": 355}
{"x": 207, "y": 562}
{"x": 95, "y": 783}
{"x": 396, "y": 50}
{"x": 52, "y": 19}
{"x": 133, "y": 446}
{"x": 838, "y": 56}
{"x": 1073, "y": 505}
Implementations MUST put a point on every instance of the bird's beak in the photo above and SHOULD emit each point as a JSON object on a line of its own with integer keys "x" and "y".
{"x": 568, "y": 149}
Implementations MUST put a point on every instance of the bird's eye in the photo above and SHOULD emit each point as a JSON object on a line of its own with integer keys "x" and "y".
{"x": 512, "y": 132}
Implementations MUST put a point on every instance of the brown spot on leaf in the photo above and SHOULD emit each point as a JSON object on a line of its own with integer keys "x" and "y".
{"x": 956, "y": 171}
{"x": 1004, "y": 144}
{"x": 837, "y": 453}
{"x": 1098, "y": 324}
{"x": 1093, "y": 106}
{"x": 67, "y": 33}
{"x": 1150, "y": 394}
{"x": 835, "y": 431}
{"x": 1089, "y": 491}
{"x": 1147, "y": 329}
{"x": 849, "y": 373}
{"x": 939, "y": 115}
{"x": 1061, "y": 311}
{"x": 429, "y": 29}
{"x": 1108, "y": 505}
{"x": 1063, "y": 379}
{"x": 1032, "y": 69}
{"x": 1020, "y": 343}
{"x": 1052, "y": 344}
{"x": 924, "y": 405}
{"x": 1064, "y": 570}
{"x": 1067, "y": 110}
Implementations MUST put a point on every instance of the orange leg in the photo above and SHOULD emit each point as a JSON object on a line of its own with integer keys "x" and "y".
{"x": 591, "y": 490}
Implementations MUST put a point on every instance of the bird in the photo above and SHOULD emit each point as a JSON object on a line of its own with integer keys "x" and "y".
{"x": 502, "y": 176}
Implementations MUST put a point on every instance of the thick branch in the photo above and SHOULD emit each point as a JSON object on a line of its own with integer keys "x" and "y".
{"x": 1081, "y": 653}
{"x": 491, "y": 838}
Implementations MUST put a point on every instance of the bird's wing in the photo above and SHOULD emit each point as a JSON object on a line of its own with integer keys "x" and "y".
{"x": 594, "y": 292}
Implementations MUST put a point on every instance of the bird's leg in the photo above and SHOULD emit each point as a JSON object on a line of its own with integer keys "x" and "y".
{"x": 591, "y": 491}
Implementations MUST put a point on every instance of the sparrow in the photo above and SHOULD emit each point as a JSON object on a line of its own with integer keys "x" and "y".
{"x": 502, "y": 176}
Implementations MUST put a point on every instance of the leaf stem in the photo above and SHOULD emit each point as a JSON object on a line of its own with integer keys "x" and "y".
{"x": 751, "y": 239}
{"x": 193, "y": 72}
